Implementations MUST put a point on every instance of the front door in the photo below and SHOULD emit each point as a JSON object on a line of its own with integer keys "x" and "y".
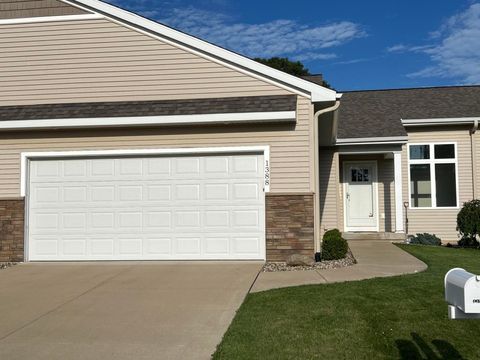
{"x": 361, "y": 208}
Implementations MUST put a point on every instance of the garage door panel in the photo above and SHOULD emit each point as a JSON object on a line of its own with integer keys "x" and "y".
{"x": 152, "y": 208}
{"x": 245, "y": 164}
{"x": 45, "y": 246}
{"x": 158, "y": 246}
{"x": 45, "y": 194}
{"x": 73, "y": 246}
{"x": 74, "y": 221}
{"x": 130, "y": 166}
{"x": 46, "y": 169}
{"x": 246, "y": 245}
{"x": 102, "y": 247}
{"x": 75, "y": 168}
{"x": 217, "y": 246}
{"x": 101, "y": 167}
{"x": 216, "y": 165}
{"x": 130, "y": 246}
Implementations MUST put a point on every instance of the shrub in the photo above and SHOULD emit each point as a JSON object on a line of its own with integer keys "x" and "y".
{"x": 334, "y": 246}
{"x": 468, "y": 224}
{"x": 425, "y": 239}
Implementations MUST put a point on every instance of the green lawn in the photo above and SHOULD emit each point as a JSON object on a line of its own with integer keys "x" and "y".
{"x": 403, "y": 317}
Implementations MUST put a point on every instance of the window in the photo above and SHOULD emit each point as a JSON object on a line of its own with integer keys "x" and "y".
{"x": 433, "y": 175}
{"x": 360, "y": 175}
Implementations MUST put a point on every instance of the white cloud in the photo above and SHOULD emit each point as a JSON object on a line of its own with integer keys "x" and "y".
{"x": 353, "y": 61}
{"x": 455, "y": 53}
{"x": 274, "y": 38}
{"x": 401, "y": 48}
{"x": 309, "y": 56}
{"x": 397, "y": 48}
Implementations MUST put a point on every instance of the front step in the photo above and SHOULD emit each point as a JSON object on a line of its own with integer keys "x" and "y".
{"x": 365, "y": 235}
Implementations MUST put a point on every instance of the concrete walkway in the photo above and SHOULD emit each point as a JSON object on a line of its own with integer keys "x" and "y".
{"x": 374, "y": 259}
{"x": 149, "y": 310}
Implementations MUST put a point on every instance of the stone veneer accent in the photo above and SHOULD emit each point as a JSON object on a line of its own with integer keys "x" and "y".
{"x": 290, "y": 225}
{"x": 12, "y": 215}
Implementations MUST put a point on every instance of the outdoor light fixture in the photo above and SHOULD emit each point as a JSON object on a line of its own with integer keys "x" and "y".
{"x": 462, "y": 293}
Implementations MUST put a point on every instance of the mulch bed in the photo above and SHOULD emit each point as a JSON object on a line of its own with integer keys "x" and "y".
{"x": 349, "y": 260}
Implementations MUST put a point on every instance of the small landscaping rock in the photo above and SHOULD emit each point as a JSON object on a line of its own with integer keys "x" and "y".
{"x": 331, "y": 264}
{"x": 299, "y": 260}
{"x": 6, "y": 265}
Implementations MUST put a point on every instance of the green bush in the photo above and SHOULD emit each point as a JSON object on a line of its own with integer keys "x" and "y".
{"x": 426, "y": 239}
{"x": 468, "y": 224}
{"x": 334, "y": 246}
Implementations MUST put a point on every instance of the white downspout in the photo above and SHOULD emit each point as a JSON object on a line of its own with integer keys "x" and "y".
{"x": 474, "y": 157}
{"x": 317, "y": 167}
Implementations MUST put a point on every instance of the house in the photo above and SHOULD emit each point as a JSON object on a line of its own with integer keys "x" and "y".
{"x": 124, "y": 139}
{"x": 401, "y": 154}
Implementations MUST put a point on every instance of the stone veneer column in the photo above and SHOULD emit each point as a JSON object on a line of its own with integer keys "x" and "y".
{"x": 12, "y": 215}
{"x": 290, "y": 225}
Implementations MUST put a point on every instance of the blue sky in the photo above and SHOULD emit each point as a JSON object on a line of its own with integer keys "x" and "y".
{"x": 368, "y": 44}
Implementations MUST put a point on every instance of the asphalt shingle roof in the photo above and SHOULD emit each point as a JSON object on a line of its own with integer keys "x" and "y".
{"x": 150, "y": 108}
{"x": 378, "y": 113}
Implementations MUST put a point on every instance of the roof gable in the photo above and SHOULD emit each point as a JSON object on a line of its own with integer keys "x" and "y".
{"x": 98, "y": 60}
{"x": 212, "y": 52}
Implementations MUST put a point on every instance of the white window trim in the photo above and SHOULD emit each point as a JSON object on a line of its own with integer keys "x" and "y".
{"x": 431, "y": 162}
{"x": 25, "y": 157}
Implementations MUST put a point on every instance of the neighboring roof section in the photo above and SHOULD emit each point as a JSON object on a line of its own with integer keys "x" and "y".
{"x": 317, "y": 78}
{"x": 150, "y": 108}
{"x": 378, "y": 113}
{"x": 210, "y": 51}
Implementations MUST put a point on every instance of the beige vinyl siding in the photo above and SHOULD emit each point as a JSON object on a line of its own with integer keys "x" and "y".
{"x": 441, "y": 222}
{"x": 99, "y": 60}
{"x": 329, "y": 187}
{"x": 13, "y": 9}
{"x": 289, "y": 146}
{"x": 385, "y": 186}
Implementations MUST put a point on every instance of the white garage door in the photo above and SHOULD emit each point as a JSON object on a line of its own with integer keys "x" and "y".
{"x": 151, "y": 208}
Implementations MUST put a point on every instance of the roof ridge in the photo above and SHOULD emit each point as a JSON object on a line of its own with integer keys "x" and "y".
{"x": 412, "y": 88}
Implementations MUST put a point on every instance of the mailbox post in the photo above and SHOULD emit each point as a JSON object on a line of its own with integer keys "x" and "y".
{"x": 462, "y": 293}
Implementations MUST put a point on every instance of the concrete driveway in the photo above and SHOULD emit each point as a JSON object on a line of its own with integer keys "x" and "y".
{"x": 159, "y": 310}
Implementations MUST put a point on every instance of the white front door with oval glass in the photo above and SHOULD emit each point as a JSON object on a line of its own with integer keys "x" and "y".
{"x": 360, "y": 196}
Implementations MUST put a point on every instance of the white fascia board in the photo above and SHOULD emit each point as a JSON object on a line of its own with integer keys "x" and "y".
{"x": 41, "y": 19}
{"x": 315, "y": 92}
{"x": 25, "y": 157}
{"x": 168, "y": 120}
{"x": 440, "y": 121}
{"x": 373, "y": 140}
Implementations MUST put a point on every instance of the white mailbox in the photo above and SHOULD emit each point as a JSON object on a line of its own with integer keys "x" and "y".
{"x": 462, "y": 293}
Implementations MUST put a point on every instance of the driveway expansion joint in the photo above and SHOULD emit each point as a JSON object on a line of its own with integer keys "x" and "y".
{"x": 323, "y": 277}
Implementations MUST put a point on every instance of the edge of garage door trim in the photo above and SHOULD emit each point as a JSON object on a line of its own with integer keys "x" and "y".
{"x": 26, "y": 156}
